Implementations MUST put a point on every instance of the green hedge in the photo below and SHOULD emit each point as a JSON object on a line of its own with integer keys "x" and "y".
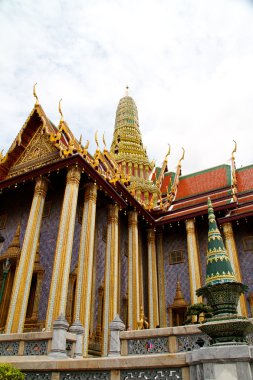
{"x": 8, "y": 372}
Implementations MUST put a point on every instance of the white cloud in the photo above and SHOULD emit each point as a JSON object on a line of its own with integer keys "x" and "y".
{"x": 188, "y": 65}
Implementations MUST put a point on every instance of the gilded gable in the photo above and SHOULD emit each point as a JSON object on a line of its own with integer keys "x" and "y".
{"x": 40, "y": 151}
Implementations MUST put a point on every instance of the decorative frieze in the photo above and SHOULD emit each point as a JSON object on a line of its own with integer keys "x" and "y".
{"x": 89, "y": 375}
{"x": 148, "y": 346}
{"x": 152, "y": 374}
{"x": 38, "y": 347}
{"x": 38, "y": 376}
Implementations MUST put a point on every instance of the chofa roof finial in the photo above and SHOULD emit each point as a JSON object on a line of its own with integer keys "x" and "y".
{"x": 34, "y": 93}
{"x": 60, "y": 110}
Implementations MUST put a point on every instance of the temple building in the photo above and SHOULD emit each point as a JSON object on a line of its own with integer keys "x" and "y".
{"x": 89, "y": 236}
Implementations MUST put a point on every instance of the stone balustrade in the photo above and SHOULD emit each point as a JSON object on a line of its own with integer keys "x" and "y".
{"x": 32, "y": 344}
{"x": 162, "y": 340}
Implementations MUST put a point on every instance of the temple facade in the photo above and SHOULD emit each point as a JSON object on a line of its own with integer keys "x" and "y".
{"x": 89, "y": 236}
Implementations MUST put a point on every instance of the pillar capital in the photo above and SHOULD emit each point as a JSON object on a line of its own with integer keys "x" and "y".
{"x": 90, "y": 192}
{"x": 151, "y": 235}
{"x": 74, "y": 175}
{"x": 132, "y": 218}
{"x": 113, "y": 214}
{"x": 228, "y": 230}
{"x": 190, "y": 226}
{"x": 41, "y": 186}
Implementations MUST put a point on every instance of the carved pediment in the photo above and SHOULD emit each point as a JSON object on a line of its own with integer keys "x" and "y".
{"x": 40, "y": 151}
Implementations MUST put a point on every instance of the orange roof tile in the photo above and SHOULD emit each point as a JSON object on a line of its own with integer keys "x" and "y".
{"x": 244, "y": 178}
{"x": 205, "y": 181}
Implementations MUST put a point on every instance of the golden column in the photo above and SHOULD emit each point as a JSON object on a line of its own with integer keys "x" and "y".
{"x": 161, "y": 279}
{"x": 152, "y": 281}
{"x": 62, "y": 259}
{"x": 233, "y": 255}
{"x": 23, "y": 276}
{"x": 110, "y": 305}
{"x": 140, "y": 264}
{"x": 85, "y": 262}
{"x": 133, "y": 271}
{"x": 193, "y": 260}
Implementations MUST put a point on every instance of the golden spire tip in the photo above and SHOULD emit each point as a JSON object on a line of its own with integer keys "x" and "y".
{"x": 127, "y": 88}
{"x": 60, "y": 110}
{"x": 34, "y": 93}
{"x": 234, "y": 150}
{"x": 96, "y": 139}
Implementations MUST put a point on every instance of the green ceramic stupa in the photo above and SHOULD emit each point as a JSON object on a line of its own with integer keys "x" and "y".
{"x": 219, "y": 268}
{"x": 222, "y": 292}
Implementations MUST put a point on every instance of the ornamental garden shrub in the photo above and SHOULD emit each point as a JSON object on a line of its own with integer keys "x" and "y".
{"x": 8, "y": 372}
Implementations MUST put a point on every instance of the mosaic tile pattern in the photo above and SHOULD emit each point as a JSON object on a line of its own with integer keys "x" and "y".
{"x": 91, "y": 375}
{"x": 152, "y": 374}
{"x": 202, "y": 234}
{"x": 242, "y": 230}
{"x": 48, "y": 237}
{"x": 101, "y": 218}
{"x": 148, "y": 346}
{"x": 9, "y": 348}
{"x": 175, "y": 239}
{"x": 192, "y": 342}
{"x": 38, "y": 347}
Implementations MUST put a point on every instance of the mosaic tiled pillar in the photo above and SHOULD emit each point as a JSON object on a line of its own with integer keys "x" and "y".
{"x": 193, "y": 260}
{"x": 233, "y": 255}
{"x": 111, "y": 274}
{"x": 133, "y": 272}
{"x": 85, "y": 263}
{"x": 62, "y": 259}
{"x": 23, "y": 276}
{"x": 161, "y": 280}
{"x": 152, "y": 281}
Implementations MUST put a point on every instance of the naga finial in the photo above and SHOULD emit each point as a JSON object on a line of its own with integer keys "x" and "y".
{"x": 104, "y": 142}
{"x": 96, "y": 139}
{"x": 87, "y": 145}
{"x": 34, "y": 93}
{"x": 234, "y": 150}
{"x": 181, "y": 159}
{"x": 60, "y": 110}
{"x": 80, "y": 139}
{"x": 127, "y": 88}
{"x": 167, "y": 153}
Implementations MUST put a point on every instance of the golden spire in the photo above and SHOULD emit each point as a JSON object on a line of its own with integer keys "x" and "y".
{"x": 60, "y": 110}
{"x": 104, "y": 141}
{"x": 80, "y": 139}
{"x": 167, "y": 153}
{"x": 34, "y": 93}
{"x": 179, "y": 298}
{"x": 181, "y": 159}
{"x": 126, "y": 92}
{"x": 234, "y": 150}
{"x": 96, "y": 140}
{"x": 87, "y": 145}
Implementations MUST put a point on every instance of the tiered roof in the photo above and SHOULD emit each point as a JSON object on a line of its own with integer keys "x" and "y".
{"x": 41, "y": 147}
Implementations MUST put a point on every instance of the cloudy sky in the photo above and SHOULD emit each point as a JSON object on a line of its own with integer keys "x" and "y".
{"x": 188, "y": 63}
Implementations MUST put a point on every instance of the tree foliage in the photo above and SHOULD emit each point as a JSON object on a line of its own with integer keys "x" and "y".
{"x": 8, "y": 372}
{"x": 197, "y": 309}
